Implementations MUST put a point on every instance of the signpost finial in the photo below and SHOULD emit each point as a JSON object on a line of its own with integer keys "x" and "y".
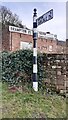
{"x": 35, "y": 11}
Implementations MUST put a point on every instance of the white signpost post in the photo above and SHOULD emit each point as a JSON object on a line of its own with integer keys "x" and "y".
{"x": 36, "y": 22}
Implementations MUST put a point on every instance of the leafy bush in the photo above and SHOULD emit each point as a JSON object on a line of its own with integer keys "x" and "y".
{"x": 17, "y": 67}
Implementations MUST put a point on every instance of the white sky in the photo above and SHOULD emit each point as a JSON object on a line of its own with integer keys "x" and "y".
{"x": 24, "y": 10}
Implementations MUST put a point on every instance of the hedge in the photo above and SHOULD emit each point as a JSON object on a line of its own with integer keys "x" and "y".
{"x": 17, "y": 67}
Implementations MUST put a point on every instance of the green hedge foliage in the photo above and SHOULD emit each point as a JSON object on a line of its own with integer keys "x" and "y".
{"x": 17, "y": 67}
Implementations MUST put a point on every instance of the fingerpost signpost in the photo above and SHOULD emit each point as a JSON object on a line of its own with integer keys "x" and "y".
{"x": 36, "y": 22}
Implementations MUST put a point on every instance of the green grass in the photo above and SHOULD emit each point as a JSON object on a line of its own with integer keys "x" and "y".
{"x": 30, "y": 104}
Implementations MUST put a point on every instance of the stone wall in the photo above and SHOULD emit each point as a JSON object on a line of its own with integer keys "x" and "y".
{"x": 54, "y": 70}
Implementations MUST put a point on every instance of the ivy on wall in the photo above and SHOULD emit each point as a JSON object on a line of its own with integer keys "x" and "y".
{"x": 17, "y": 67}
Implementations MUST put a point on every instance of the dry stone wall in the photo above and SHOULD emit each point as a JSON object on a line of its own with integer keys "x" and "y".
{"x": 55, "y": 72}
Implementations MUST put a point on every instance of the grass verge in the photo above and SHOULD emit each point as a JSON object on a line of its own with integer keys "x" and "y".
{"x": 30, "y": 104}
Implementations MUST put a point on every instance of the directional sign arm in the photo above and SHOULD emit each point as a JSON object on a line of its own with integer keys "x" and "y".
{"x": 45, "y": 17}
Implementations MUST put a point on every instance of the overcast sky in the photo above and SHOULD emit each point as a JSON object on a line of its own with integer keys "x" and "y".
{"x": 24, "y": 10}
